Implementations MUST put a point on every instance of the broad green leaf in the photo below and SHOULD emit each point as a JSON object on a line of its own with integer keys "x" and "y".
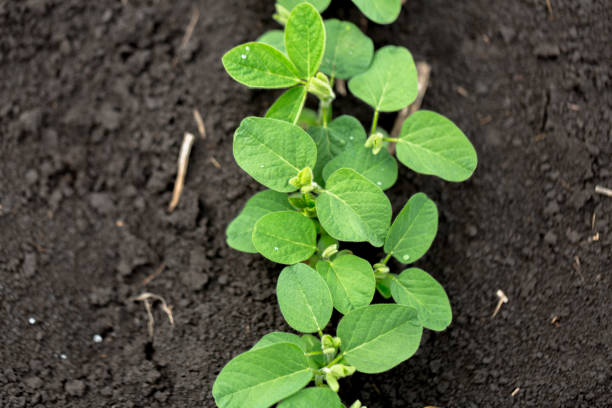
{"x": 431, "y": 144}
{"x": 273, "y": 151}
{"x": 415, "y": 287}
{"x": 239, "y": 231}
{"x": 313, "y": 397}
{"x": 260, "y": 65}
{"x": 304, "y": 298}
{"x": 308, "y": 118}
{"x": 384, "y": 285}
{"x": 313, "y": 346}
{"x": 413, "y": 230}
{"x": 353, "y": 209}
{"x": 279, "y": 337}
{"x": 342, "y": 133}
{"x": 320, "y": 5}
{"x": 285, "y": 237}
{"x": 380, "y": 11}
{"x": 260, "y": 378}
{"x": 390, "y": 83}
{"x": 289, "y": 105}
{"x": 305, "y": 39}
{"x": 350, "y": 280}
{"x": 274, "y": 38}
{"x": 380, "y": 169}
{"x": 348, "y": 51}
{"x": 378, "y": 337}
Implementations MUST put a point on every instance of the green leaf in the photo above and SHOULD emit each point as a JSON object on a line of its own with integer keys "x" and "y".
{"x": 260, "y": 378}
{"x": 353, "y": 209}
{"x": 431, "y": 144}
{"x": 350, "y": 280}
{"x": 348, "y": 51}
{"x": 378, "y": 337}
{"x": 390, "y": 83}
{"x": 274, "y": 38}
{"x": 239, "y": 231}
{"x": 380, "y": 169}
{"x": 279, "y": 337}
{"x": 320, "y": 5}
{"x": 415, "y": 287}
{"x": 304, "y": 298}
{"x": 285, "y": 237}
{"x": 313, "y": 345}
{"x": 305, "y": 39}
{"x": 380, "y": 11}
{"x": 313, "y": 397}
{"x": 384, "y": 285}
{"x": 342, "y": 133}
{"x": 308, "y": 118}
{"x": 413, "y": 230}
{"x": 289, "y": 105}
{"x": 260, "y": 65}
{"x": 273, "y": 151}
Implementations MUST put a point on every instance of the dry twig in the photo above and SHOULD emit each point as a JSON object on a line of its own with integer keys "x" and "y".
{"x": 155, "y": 274}
{"x": 603, "y": 190}
{"x": 502, "y": 299}
{"x": 195, "y": 15}
{"x": 146, "y": 299}
{"x": 341, "y": 86}
{"x": 182, "y": 170}
{"x": 549, "y": 7}
{"x": 200, "y": 122}
{"x": 578, "y": 267}
{"x": 516, "y": 390}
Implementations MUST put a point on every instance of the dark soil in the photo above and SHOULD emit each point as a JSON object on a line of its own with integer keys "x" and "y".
{"x": 94, "y": 100}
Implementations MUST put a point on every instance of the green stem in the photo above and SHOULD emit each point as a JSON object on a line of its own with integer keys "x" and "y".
{"x": 314, "y": 353}
{"x": 374, "y": 122}
{"x": 384, "y": 261}
{"x": 324, "y": 112}
{"x": 391, "y": 139}
{"x": 335, "y": 360}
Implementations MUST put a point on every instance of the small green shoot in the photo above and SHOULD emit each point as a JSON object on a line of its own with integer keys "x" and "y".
{"x": 326, "y": 177}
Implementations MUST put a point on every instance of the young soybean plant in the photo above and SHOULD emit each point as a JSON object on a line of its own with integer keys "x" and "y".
{"x": 325, "y": 185}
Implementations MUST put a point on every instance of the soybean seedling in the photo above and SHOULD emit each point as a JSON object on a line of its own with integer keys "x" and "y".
{"x": 325, "y": 180}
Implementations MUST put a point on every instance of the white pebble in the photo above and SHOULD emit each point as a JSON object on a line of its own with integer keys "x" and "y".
{"x": 63, "y": 356}
{"x": 32, "y": 320}
{"x": 97, "y": 338}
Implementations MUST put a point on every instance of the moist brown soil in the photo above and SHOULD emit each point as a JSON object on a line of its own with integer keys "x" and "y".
{"x": 94, "y": 100}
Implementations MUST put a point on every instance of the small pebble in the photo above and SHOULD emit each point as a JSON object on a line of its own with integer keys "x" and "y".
{"x": 63, "y": 356}
{"x": 32, "y": 320}
{"x": 97, "y": 338}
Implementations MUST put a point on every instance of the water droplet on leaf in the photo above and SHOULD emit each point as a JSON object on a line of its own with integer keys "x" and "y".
{"x": 243, "y": 56}
{"x": 406, "y": 257}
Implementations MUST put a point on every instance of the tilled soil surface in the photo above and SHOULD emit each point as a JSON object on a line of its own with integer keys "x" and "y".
{"x": 94, "y": 100}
